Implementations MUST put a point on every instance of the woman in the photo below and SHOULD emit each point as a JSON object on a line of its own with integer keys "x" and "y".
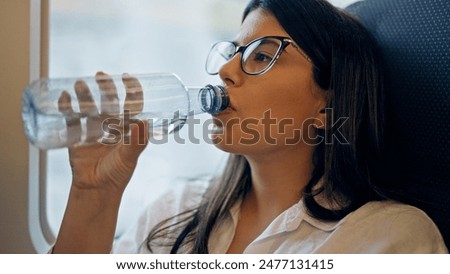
{"x": 304, "y": 130}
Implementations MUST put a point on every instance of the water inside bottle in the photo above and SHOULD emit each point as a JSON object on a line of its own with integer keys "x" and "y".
{"x": 159, "y": 126}
{"x": 56, "y": 131}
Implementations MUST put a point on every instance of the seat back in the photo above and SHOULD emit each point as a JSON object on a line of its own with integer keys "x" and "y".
{"x": 415, "y": 40}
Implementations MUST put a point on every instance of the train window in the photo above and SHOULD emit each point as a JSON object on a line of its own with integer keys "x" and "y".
{"x": 138, "y": 36}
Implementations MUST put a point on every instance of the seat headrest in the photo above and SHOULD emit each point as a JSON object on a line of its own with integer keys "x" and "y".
{"x": 415, "y": 40}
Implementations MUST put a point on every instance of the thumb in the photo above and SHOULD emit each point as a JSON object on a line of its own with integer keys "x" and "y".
{"x": 138, "y": 140}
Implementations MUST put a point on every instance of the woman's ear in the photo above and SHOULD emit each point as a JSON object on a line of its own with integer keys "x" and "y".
{"x": 321, "y": 115}
{"x": 321, "y": 119}
{"x": 323, "y": 98}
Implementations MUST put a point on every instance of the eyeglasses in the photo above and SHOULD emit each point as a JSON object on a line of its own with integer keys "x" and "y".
{"x": 257, "y": 57}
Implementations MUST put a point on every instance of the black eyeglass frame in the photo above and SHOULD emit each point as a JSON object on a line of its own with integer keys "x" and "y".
{"x": 285, "y": 41}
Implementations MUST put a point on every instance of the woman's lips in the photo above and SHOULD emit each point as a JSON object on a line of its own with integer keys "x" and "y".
{"x": 230, "y": 108}
{"x": 230, "y": 101}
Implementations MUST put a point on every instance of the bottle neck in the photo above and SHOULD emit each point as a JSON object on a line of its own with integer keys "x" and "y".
{"x": 209, "y": 99}
{"x": 194, "y": 103}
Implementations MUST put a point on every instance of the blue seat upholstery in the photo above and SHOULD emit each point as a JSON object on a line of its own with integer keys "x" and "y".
{"x": 415, "y": 39}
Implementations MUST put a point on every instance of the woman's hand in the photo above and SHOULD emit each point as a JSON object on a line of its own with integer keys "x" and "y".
{"x": 102, "y": 170}
{"x": 109, "y": 160}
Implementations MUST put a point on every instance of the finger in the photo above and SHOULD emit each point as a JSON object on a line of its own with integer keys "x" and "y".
{"x": 109, "y": 103}
{"x": 109, "y": 99}
{"x": 139, "y": 138}
{"x": 134, "y": 103}
{"x": 72, "y": 121}
{"x": 88, "y": 108}
{"x": 85, "y": 100}
{"x": 65, "y": 103}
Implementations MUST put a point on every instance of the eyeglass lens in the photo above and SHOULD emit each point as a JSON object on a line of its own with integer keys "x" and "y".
{"x": 257, "y": 57}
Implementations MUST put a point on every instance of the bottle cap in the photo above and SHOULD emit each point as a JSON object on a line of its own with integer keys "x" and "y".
{"x": 213, "y": 99}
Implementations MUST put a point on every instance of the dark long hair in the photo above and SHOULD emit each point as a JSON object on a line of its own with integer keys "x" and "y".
{"x": 347, "y": 67}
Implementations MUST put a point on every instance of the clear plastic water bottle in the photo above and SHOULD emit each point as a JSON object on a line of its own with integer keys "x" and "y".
{"x": 72, "y": 111}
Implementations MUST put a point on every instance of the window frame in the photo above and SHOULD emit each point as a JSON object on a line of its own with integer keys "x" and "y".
{"x": 41, "y": 235}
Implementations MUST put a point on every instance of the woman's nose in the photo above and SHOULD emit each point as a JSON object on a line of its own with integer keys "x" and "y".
{"x": 231, "y": 72}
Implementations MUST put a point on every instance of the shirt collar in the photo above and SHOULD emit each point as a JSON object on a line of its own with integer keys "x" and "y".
{"x": 291, "y": 218}
{"x": 319, "y": 224}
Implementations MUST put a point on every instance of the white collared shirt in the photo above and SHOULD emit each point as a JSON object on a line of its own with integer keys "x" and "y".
{"x": 376, "y": 227}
